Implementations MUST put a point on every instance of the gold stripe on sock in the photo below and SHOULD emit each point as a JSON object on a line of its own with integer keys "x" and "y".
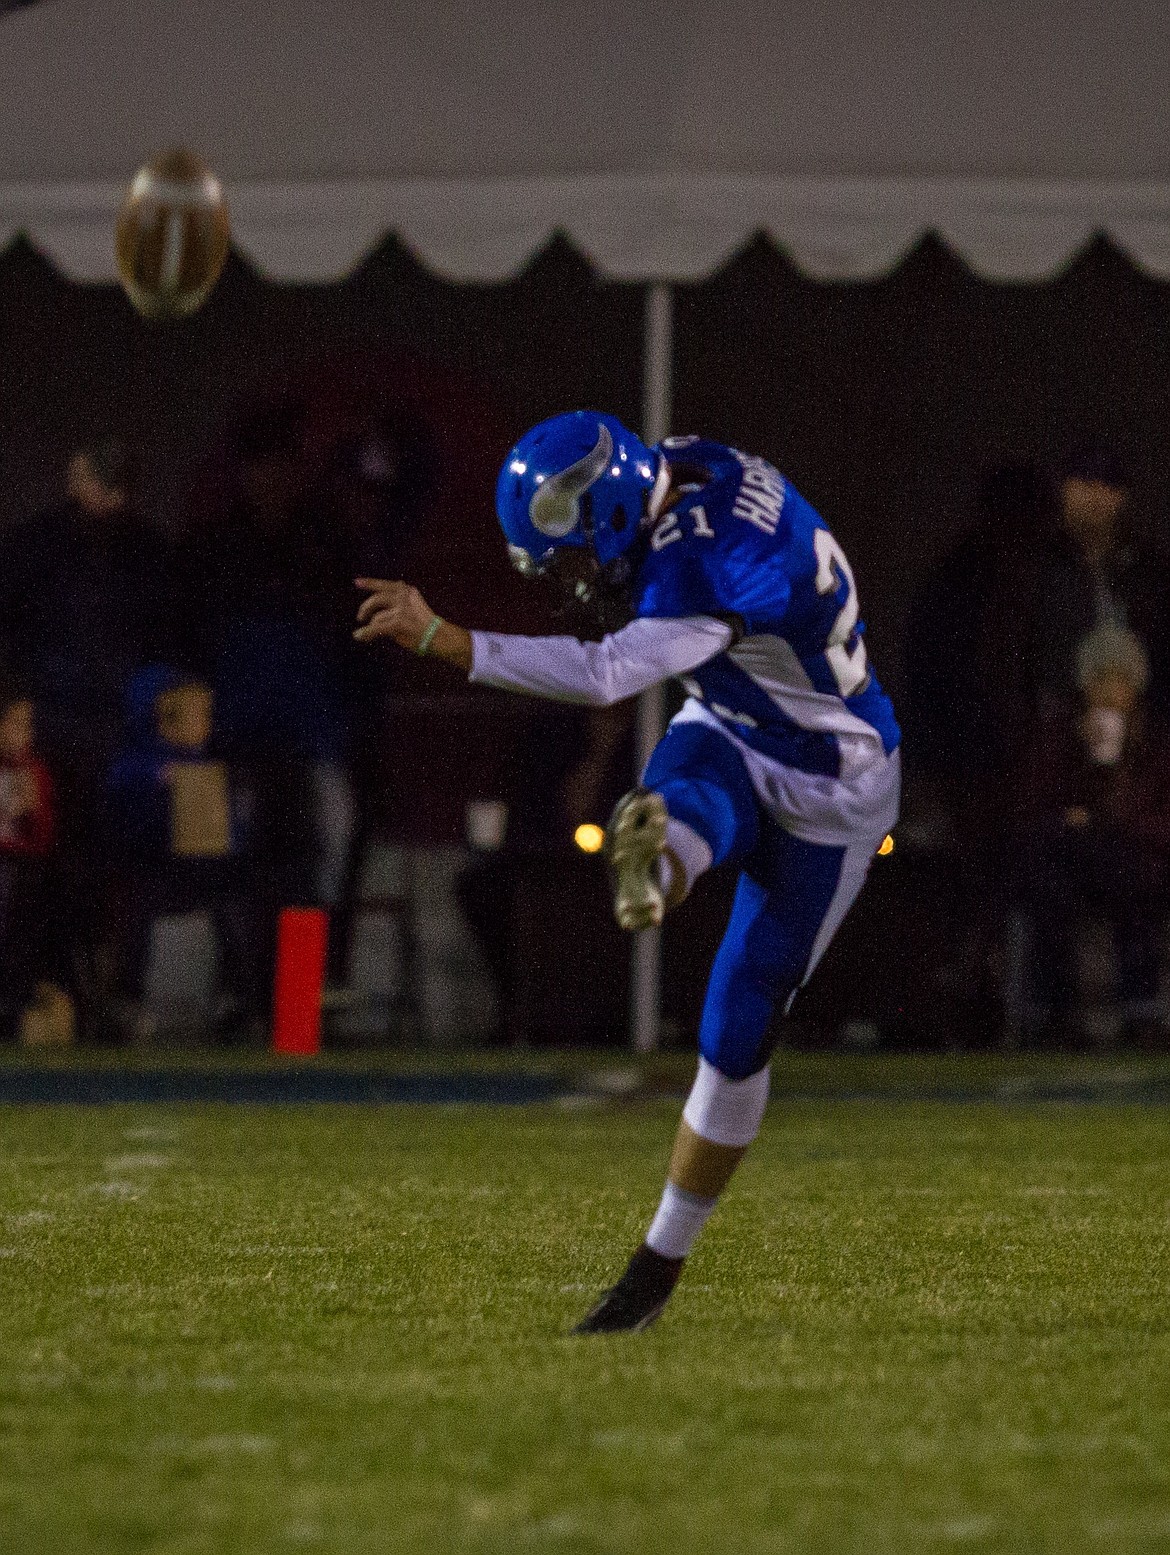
{"x": 699, "y": 1166}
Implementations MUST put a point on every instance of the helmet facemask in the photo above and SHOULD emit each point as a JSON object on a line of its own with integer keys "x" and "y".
{"x": 581, "y": 591}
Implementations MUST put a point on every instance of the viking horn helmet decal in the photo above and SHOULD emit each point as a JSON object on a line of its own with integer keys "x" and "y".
{"x": 555, "y": 505}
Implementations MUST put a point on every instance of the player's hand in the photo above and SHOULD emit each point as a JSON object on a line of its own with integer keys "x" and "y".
{"x": 394, "y": 610}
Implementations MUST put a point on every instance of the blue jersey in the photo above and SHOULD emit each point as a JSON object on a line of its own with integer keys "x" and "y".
{"x": 744, "y": 545}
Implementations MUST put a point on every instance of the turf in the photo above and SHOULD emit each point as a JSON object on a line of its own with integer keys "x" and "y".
{"x": 912, "y": 1327}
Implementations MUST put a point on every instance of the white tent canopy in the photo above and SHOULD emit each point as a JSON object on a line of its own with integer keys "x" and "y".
{"x": 659, "y": 136}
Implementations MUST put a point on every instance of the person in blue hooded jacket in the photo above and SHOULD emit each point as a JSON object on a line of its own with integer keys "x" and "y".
{"x": 783, "y": 760}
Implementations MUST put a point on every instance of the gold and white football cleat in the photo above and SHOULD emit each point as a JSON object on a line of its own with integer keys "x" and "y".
{"x": 634, "y": 842}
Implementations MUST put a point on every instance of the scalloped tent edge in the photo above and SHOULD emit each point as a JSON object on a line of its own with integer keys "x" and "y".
{"x": 837, "y": 230}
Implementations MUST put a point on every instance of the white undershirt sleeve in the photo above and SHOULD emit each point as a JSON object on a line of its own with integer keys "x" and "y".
{"x": 623, "y": 664}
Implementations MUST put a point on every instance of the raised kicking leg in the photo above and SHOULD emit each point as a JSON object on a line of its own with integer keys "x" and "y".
{"x": 791, "y": 898}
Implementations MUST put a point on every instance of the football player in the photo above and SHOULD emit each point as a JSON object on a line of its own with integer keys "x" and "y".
{"x": 783, "y": 760}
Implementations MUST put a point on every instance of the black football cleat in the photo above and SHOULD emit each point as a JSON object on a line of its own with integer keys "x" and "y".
{"x": 638, "y": 1297}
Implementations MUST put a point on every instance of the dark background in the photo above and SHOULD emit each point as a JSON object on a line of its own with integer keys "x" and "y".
{"x": 881, "y": 400}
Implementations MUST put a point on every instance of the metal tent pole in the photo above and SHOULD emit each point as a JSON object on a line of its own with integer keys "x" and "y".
{"x": 646, "y": 961}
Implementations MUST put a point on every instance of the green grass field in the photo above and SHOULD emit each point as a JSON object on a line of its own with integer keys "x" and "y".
{"x": 912, "y": 1327}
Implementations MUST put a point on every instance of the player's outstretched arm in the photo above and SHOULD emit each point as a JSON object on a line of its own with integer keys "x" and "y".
{"x": 398, "y": 611}
{"x": 594, "y": 674}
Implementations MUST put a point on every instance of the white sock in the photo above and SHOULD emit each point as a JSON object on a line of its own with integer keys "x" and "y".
{"x": 727, "y": 1112}
{"x": 693, "y": 854}
{"x": 680, "y": 1218}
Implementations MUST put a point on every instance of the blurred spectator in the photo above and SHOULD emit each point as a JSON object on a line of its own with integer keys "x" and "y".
{"x": 370, "y": 497}
{"x": 375, "y": 486}
{"x": 177, "y": 825}
{"x": 28, "y": 946}
{"x": 1095, "y": 826}
{"x": 993, "y": 634}
{"x": 1094, "y": 572}
{"x": 84, "y": 598}
{"x": 26, "y": 790}
{"x": 269, "y": 609}
{"x": 968, "y": 700}
{"x": 967, "y": 715}
{"x": 993, "y": 682}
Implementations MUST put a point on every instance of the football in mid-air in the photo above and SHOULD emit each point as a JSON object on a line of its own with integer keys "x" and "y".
{"x": 173, "y": 236}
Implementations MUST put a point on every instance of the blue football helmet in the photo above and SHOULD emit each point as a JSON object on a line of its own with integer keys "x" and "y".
{"x": 577, "y": 480}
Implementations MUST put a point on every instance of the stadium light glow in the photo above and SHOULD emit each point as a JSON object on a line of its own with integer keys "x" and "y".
{"x": 589, "y": 837}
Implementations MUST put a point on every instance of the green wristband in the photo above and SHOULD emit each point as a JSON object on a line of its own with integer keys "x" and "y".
{"x": 428, "y": 637}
